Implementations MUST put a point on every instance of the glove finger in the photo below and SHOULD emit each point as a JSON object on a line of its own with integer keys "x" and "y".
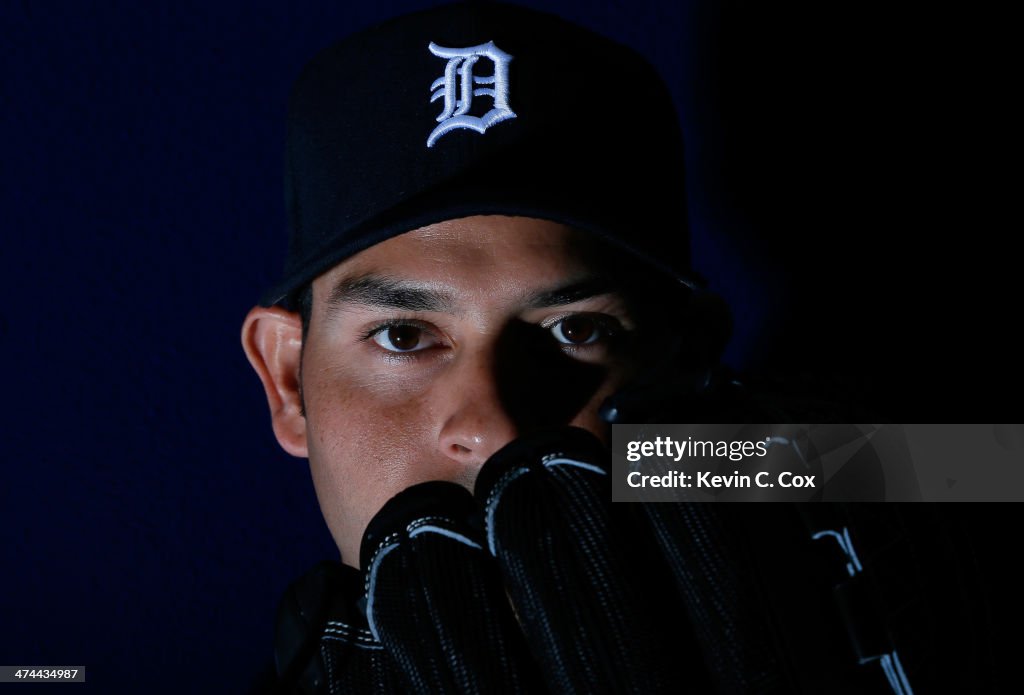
{"x": 584, "y": 603}
{"x": 714, "y": 582}
{"x": 435, "y": 598}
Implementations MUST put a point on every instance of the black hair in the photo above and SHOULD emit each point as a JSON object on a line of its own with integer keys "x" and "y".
{"x": 304, "y": 305}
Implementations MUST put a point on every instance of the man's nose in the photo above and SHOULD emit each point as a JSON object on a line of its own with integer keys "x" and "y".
{"x": 476, "y": 422}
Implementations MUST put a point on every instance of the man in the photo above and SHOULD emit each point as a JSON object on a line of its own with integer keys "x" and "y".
{"x": 485, "y": 249}
{"x": 481, "y": 248}
{"x": 432, "y": 223}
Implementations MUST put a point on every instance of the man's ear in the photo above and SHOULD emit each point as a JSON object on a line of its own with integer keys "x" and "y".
{"x": 272, "y": 339}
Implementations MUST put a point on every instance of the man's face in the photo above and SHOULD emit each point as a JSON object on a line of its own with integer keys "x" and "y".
{"x": 428, "y": 352}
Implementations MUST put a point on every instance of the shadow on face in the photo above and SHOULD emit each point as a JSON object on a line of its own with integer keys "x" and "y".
{"x": 538, "y": 384}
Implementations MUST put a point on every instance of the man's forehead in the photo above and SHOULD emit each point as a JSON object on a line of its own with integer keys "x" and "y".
{"x": 503, "y": 236}
{"x": 499, "y": 253}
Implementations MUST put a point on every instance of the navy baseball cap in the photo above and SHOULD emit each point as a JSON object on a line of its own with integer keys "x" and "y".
{"x": 479, "y": 108}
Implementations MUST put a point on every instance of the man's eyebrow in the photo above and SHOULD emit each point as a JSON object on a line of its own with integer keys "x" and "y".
{"x": 573, "y": 292}
{"x": 388, "y": 293}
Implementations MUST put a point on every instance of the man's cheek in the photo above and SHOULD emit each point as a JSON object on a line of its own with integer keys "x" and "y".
{"x": 375, "y": 435}
{"x": 353, "y": 398}
{"x": 375, "y": 441}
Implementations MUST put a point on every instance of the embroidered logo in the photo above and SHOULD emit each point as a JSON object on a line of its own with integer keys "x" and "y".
{"x": 458, "y": 87}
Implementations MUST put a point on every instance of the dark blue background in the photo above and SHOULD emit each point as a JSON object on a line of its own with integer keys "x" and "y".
{"x": 150, "y": 522}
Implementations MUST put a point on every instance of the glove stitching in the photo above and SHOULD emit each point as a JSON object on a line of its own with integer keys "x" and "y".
{"x": 354, "y": 641}
{"x": 387, "y": 540}
{"x": 492, "y": 502}
{"x": 416, "y": 523}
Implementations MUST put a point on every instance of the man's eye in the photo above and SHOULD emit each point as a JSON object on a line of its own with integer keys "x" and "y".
{"x": 403, "y": 338}
{"x": 579, "y": 329}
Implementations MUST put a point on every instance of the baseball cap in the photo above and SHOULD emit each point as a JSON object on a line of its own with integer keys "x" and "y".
{"x": 473, "y": 109}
